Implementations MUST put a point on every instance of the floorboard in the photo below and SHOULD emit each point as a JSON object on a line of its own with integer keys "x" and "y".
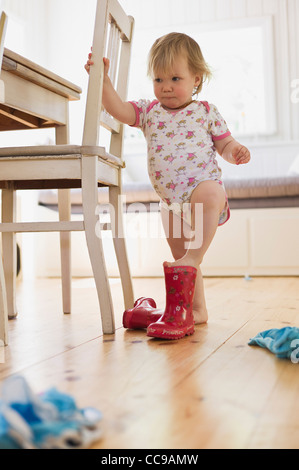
{"x": 210, "y": 390}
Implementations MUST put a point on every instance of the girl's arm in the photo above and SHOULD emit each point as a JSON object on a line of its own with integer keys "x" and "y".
{"x": 121, "y": 110}
{"x": 232, "y": 151}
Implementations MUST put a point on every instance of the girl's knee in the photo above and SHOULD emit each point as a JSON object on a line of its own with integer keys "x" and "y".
{"x": 210, "y": 194}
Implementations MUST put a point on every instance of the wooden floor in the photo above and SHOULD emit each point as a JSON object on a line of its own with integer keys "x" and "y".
{"x": 207, "y": 391}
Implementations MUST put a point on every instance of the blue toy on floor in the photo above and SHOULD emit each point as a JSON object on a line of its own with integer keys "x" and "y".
{"x": 283, "y": 342}
{"x": 50, "y": 420}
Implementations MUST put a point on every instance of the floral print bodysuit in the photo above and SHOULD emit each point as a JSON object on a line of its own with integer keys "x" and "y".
{"x": 181, "y": 151}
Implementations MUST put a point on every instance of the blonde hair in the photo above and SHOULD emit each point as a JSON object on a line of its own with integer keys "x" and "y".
{"x": 166, "y": 49}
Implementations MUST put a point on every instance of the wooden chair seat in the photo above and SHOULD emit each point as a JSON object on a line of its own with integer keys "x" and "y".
{"x": 65, "y": 151}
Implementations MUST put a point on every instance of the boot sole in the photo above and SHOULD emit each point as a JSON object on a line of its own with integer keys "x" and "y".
{"x": 170, "y": 336}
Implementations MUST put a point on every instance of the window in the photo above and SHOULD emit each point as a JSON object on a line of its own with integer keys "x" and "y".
{"x": 241, "y": 57}
{"x": 240, "y": 54}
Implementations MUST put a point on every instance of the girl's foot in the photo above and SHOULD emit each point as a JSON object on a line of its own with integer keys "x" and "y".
{"x": 200, "y": 316}
{"x": 177, "y": 320}
{"x": 200, "y": 313}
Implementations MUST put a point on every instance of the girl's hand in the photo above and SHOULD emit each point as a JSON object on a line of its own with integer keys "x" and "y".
{"x": 114, "y": 105}
{"x": 106, "y": 65}
{"x": 240, "y": 154}
{"x": 88, "y": 63}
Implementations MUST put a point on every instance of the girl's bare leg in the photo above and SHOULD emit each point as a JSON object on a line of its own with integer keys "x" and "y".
{"x": 212, "y": 197}
{"x": 200, "y": 311}
{"x": 172, "y": 225}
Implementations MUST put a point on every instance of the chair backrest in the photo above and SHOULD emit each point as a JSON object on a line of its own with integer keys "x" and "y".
{"x": 3, "y": 26}
{"x": 113, "y": 34}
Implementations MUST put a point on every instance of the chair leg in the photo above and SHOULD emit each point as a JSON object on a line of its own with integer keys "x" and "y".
{"x": 9, "y": 247}
{"x": 64, "y": 206}
{"x": 120, "y": 246}
{"x": 94, "y": 242}
{"x": 3, "y": 309}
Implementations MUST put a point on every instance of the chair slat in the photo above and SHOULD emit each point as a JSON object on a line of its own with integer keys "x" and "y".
{"x": 122, "y": 20}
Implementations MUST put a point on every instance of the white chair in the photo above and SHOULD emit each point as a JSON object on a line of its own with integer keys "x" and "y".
{"x": 3, "y": 300}
{"x": 71, "y": 166}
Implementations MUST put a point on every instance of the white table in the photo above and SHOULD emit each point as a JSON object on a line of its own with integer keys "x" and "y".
{"x": 32, "y": 97}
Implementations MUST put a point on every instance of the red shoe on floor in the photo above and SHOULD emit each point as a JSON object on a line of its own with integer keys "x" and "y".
{"x": 143, "y": 313}
{"x": 177, "y": 320}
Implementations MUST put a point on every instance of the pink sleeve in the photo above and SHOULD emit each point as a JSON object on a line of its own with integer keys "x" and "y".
{"x": 134, "y": 104}
{"x": 217, "y": 125}
{"x": 206, "y": 105}
{"x": 222, "y": 136}
{"x": 142, "y": 107}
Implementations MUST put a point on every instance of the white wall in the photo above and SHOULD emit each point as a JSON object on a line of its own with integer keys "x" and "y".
{"x": 56, "y": 34}
{"x": 31, "y": 18}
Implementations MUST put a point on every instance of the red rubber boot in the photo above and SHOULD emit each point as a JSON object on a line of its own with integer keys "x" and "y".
{"x": 177, "y": 320}
{"x": 143, "y": 313}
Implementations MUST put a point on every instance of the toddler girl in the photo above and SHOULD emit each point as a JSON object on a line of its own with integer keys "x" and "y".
{"x": 183, "y": 136}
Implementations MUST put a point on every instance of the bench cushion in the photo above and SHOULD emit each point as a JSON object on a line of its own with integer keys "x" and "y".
{"x": 242, "y": 193}
{"x": 284, "y": 186}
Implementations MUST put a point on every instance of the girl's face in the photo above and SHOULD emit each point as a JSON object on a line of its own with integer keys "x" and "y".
{"x": 174, "y": 88}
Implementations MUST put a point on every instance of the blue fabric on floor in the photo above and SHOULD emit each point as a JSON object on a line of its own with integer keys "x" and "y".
{"x": 50, "y": 420}
{"x": 282, "y": 342}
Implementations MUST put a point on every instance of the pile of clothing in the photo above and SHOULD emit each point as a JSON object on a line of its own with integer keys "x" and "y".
{"x": 283, "y": 342}
{"x": 50, "y": 420}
